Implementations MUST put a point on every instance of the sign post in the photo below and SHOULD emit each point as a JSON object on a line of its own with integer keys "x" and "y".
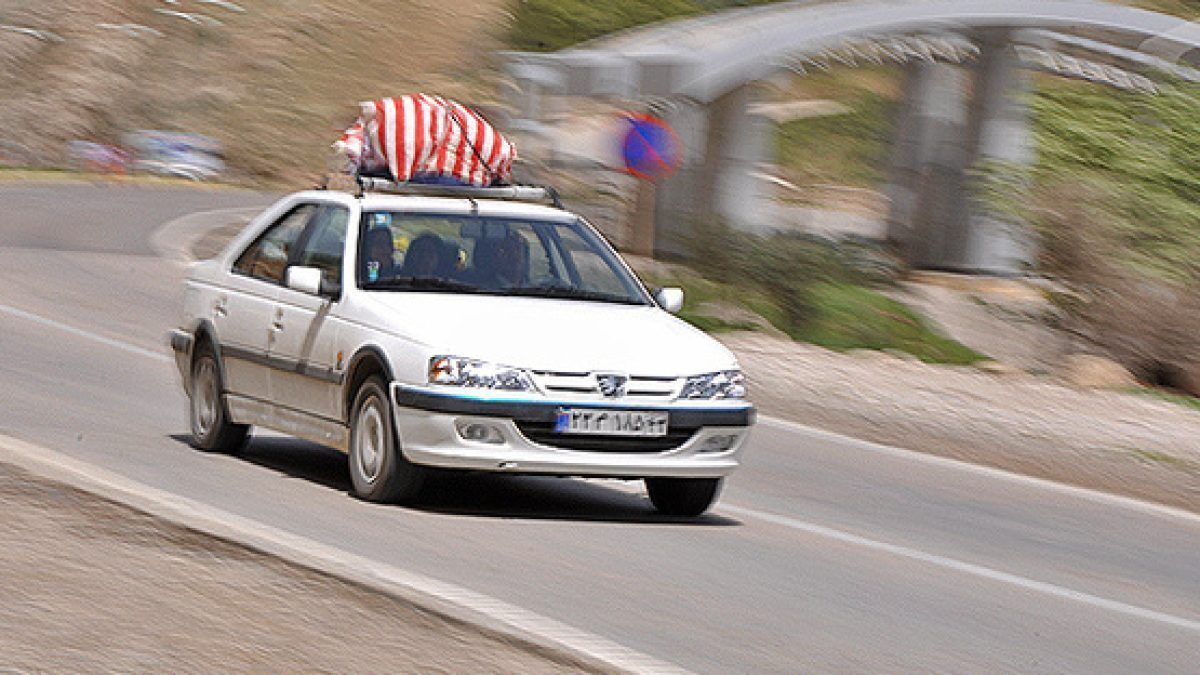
{"x": 651, "y": 152}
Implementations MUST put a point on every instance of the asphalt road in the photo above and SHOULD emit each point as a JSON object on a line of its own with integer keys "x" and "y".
{"x": 825, "y": 554}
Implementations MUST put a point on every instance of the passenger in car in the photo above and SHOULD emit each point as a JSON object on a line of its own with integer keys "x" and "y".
{"x": 424, "y": 257}
{"x": 380, "y": 263}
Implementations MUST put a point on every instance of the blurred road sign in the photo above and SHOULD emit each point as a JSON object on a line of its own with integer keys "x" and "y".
{"x": 650, "y": 148}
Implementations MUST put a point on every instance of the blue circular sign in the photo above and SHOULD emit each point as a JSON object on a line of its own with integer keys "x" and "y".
{"x": 650, "y": 148}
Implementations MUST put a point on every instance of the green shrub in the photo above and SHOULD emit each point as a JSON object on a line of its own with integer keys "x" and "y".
{"x": 845, "y": 316}
{"x": 1115, "y": 201}
{"x": 813, "y": 289}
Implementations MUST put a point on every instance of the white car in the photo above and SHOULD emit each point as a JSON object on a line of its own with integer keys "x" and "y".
{"x": 460, "y": 328}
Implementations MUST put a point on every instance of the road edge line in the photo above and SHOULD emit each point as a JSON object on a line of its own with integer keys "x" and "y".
{"x": 1089, "y": 494}
{"x": 446, "y": 600}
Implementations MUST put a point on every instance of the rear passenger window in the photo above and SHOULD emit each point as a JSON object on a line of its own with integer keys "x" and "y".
{"x": 267, "y": 258}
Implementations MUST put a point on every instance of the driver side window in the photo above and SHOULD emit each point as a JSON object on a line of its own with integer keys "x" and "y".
{"x": 266, "y": 259}
{"x": 325, "y": 243}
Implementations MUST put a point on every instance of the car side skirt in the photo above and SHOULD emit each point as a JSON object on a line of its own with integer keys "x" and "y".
{"x": 247, "y": 410}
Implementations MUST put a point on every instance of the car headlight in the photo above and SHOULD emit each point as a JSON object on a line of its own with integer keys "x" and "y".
{"x": 723, "y": 384}
{"x": 461, "y": 372}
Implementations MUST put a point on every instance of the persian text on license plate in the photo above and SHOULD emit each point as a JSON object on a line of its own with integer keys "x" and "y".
{"x": 611, "y": 422}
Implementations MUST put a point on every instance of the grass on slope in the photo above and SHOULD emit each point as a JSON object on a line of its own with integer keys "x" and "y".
{"x": 849, "y": 317}
{"x": 846, "y": 149}
{"x": 1169, "y": 396}
{"x": 839, "y": 311}
{"x": 549, "y": 25}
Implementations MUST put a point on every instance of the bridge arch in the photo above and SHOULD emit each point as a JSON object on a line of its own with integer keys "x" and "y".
{"x": 704, "y": 67}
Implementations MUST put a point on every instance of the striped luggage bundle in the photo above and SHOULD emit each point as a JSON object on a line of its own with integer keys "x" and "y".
{"x": 426, "y": 137}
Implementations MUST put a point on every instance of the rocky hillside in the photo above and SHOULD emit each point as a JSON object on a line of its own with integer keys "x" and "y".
{"x": 272, "y": 79}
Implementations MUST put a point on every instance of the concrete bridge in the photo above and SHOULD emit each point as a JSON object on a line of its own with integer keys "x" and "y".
{"x": 966, "y": 65}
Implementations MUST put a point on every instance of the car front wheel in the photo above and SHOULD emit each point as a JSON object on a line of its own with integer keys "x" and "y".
{"x": 211, "y": 428}
{"x": 683, "y": 496}
{"x": 378, "y": 470}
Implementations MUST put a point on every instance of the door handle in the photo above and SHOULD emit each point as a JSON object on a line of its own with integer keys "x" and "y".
{"x": 219, "y": 308}
{"x": 277, "y": 322}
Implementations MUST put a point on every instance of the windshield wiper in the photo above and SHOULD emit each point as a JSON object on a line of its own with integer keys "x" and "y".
{"x": 572, "y": 294}
{"x": 421, "y": 284}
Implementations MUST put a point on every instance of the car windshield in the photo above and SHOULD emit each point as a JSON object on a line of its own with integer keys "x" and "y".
{"x": 488, "y": 255}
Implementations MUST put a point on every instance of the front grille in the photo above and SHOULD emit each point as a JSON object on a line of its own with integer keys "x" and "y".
{"x": 543, "y": 433}
{"x": 640, "y": 386}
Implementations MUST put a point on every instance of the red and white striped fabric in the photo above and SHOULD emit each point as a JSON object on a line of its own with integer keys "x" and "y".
{"x": 430, "y": 136}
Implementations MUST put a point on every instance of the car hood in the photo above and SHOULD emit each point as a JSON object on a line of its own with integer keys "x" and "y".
{"x": 551, "y": 334}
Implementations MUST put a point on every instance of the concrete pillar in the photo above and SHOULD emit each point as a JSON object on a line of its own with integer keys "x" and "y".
{"x": 677, "y": 207}
{"x": 936, "y": 204}
{"x": 1000, "y": 132}
{"x": 738, "y": 143}
{"x": 724, "y": 144}
{"x": 910, "y": 148}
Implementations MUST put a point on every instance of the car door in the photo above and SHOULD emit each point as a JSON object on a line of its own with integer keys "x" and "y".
{"x": 303, "y": 332}
{"x": 242, "y": 311}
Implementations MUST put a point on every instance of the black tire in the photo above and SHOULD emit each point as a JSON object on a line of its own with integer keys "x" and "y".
{"x": 212, "y": 431}
{"x": 378, "y": 470}
{"x": 683, "y": 496}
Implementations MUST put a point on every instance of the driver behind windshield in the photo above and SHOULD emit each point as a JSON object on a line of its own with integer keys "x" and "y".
{"x": 501, "y": 263}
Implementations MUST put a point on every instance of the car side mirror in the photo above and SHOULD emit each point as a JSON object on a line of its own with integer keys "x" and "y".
{"x": 670, "y": 299}
{"x": 309, "y": 280}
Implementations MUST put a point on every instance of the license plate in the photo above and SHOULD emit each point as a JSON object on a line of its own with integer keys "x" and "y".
{"x": 611, "y": 422}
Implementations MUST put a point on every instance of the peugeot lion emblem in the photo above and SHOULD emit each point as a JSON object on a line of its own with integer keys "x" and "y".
{"x": 612, "y": 385}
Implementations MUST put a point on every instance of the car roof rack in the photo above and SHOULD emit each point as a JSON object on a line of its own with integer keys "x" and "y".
{"x": 520, "y": 193}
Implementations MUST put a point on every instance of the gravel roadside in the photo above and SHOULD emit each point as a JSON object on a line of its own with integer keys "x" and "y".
{"x": 90, "y": 585}
{"x": 1106, "y": 440}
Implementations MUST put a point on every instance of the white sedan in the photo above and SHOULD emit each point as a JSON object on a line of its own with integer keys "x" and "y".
{"x": 471, "y": 330}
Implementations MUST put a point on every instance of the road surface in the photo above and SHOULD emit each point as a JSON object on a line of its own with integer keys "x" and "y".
{"x": 824, "y": 554}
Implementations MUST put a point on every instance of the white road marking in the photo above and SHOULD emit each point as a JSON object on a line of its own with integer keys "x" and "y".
{"x": 967, "y": 568}
{"x": 460, "y": 603}
{"x": 566, "y": 635}
{"x": 79, "y": 332}
{"x": 1088, "y": 494}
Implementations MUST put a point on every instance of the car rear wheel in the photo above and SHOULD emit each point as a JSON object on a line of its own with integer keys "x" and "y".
{"x": 378, "y": 470}
{"x": 212, "y": 429}
{"x": 683, "y": 496}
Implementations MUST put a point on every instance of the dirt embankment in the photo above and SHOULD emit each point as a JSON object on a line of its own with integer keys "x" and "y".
{"x": 273, "y": 83}
{"x": 94, "y": 586}
{"x": 1034, "y": 425}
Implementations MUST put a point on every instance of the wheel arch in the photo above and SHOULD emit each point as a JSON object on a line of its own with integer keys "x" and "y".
{"x": 204, "y": 333}
{"x": 367, "y": 361}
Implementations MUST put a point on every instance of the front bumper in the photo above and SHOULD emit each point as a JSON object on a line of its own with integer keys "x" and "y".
{"x": 706, "y": 438}
{"x": 181, "y": 347}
